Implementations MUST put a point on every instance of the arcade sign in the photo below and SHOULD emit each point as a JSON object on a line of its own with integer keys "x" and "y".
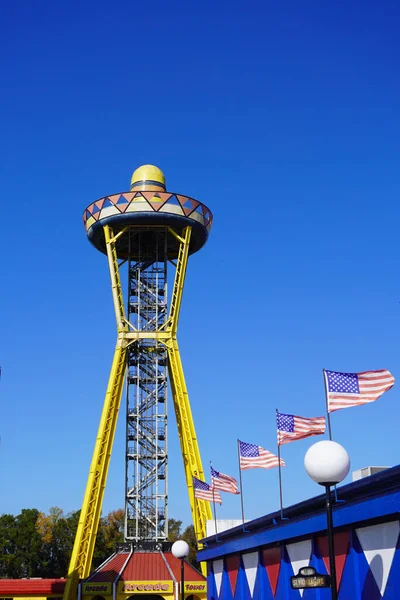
{"x": 96, "y": 589}
{"x": 145, "y": 587}
{"x": 308, "y": 577}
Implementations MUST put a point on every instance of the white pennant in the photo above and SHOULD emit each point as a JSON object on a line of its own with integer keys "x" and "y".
{"x": 250, "y": 562}
{"x": 218, "y": 567}
{"x": 299, "y": 555}
{"x": 379, "y": 545}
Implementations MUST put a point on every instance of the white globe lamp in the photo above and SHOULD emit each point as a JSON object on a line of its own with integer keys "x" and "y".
{"x": 327, "y": 462}
{"x": 180, "y": 549}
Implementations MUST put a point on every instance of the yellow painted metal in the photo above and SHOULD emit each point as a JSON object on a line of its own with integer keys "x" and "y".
{"x": 180, "y": 274}
{"x": 201, "y": 510}
{"x": 82, "y": 553}
{"x": 145, "y": 176}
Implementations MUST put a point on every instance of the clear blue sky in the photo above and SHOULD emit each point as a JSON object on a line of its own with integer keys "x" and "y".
{"x": 282, "y": 117}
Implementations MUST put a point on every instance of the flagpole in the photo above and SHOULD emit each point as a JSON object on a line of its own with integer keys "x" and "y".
{"x": 215, "y": 516}
{"x": 279, "y": 468}
{"x": 328, "y": 416}
{"x": 241, "y": 484}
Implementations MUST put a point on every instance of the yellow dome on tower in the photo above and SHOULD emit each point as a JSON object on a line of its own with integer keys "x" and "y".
{"x": 148, "y": 178}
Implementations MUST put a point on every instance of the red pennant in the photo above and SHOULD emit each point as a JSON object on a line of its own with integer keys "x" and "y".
{"x": 272, "y": 563}
{"x": 232, "y": 567}
{"x": 342, "y": 541}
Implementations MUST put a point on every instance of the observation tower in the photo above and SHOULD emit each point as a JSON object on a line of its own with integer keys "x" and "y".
{"x": 143, "y": 231}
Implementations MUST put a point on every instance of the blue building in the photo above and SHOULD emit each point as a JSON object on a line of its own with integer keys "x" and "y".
{"x": 258, "y": 563}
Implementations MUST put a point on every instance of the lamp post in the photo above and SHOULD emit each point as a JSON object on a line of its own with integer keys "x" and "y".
{"x": 328, "y": 463}
{"x": 180, "y": 549}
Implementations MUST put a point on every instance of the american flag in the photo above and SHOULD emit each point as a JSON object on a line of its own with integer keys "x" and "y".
{"x": 353, "y": 389}
{"x": 292, "y": 428}
{"x": 225, "y": 483}
{"x": 253, "y": 457}
{"x": 204, "y": 491}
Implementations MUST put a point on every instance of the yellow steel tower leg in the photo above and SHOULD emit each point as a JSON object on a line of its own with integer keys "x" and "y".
{"x": 82, "y": 552}
{"x": 201, "y": 510}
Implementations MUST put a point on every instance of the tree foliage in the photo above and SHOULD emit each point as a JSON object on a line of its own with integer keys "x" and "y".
{"x": 35, "y": 544}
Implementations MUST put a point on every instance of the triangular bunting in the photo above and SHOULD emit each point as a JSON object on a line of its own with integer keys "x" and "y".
{"x": 173, "y": 200}
{"x": 182, "y": 199}
{"x": 218, "y": 567}
{"x": 148, "y": 196}
{"x": 100, "y": 203}
{"x": 299, "y": 556}
{"x": 207, "y": 217}
{"x": 90, "y": 209}
{"x": 187, "y": 211}
{"x": 122, "y": 206}
{"x": 188, "y": 204}
{"x": 232, "y": 564}
{"x": 138, "y": 197}
{"x": 378, "y": 543}
{"x": 119, "y": 200}
{"x": 158, "y": 201}
{"x": 128, "y": 196}
{"x": 165, "y": 196}
{"x": 250, "y": 562}
{"x": 107, "y": 202}
{"x": 342, "y": 541}
{"x": 272, "y": 564}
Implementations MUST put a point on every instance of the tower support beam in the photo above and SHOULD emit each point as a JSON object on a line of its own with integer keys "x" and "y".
{"x": 82, "y": 552}
{"x": 201, "y": 510}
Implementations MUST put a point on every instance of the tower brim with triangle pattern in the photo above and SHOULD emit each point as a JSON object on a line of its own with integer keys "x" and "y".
{"x": 149, "y": 206}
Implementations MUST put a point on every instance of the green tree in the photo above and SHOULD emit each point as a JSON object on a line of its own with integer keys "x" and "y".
{"x": 8, "y": 547}
{"x": 57, "y": 532}
{"x": 36, "y": 544}
{"x": 174, "y": 529}
{"x": 190, "y": 538}
{"x": 62, "y": 543}
{"x": 29, "y": 553}
{"x": 110, "y": 533}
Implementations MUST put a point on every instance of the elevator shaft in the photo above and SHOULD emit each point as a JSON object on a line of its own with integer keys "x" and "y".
{"x": 146, "y": 497}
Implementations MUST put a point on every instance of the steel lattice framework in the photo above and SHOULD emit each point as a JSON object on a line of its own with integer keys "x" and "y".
{"x": 146, "y": 497}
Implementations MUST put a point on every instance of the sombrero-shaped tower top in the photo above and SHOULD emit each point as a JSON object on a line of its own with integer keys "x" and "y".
{"x": 147, "y": 206}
